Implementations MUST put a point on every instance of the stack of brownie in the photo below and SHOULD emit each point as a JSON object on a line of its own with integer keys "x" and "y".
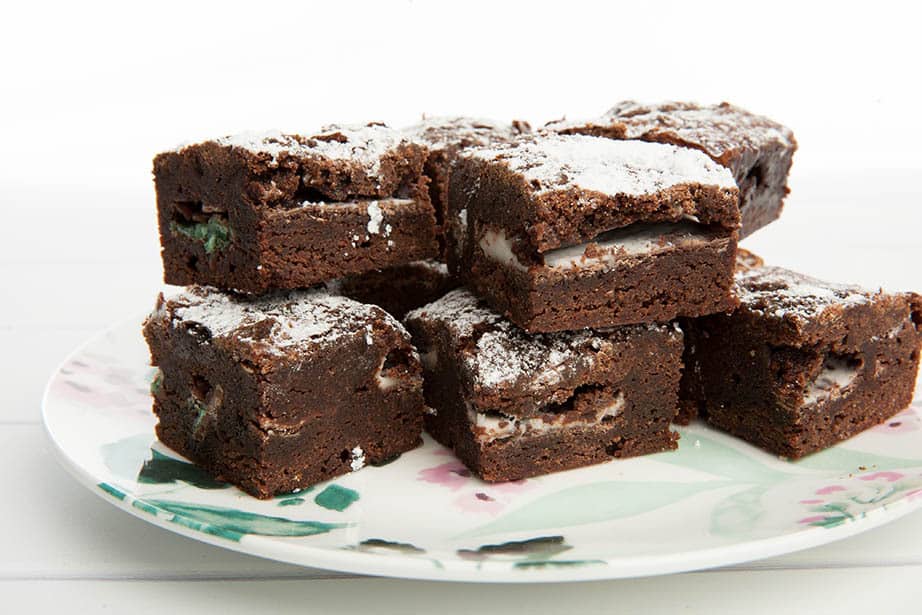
{"x": 568, "y": 294}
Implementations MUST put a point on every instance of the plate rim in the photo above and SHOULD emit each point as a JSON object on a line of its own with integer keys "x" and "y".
{"x": 396, "y": 566}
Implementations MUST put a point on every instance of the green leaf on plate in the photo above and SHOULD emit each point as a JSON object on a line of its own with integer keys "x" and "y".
{"x": 233, "y": 524}
{"x": 161, "y": 469}
{"x": 737, "y": 514}
{"x": 558, "y": 563}
{"x": 539, "y": 548}
{"x": 372, "y": 544}
{"x": 832, "y": 521}
{"x": 291, "y": 502}
{"x": 714, "y": 457}
{"x": 593, "y": 503}
{"x": 335, "y": 497}
{"x": 838, "y": 459}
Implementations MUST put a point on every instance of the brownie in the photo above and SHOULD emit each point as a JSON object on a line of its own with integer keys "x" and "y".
{"x": 276, "y": 393}
{"x": 398, "y": 289}
{"x": 802, "y": 364}
{"x": 513, "y": 405}
{"x": 253, "y": 213}
{"x": 569, "y": 231}
{"x": 690, "y": 389}
{"x": 445, "y": 138}
{"x": 756, "y": 149}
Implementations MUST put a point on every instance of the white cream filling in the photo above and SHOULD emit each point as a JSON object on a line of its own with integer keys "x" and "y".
{"x": 833, "y": 380}
{"x": 358, "y": 459}
{"x": 497, "y": 246}
{"x": 385, "y": 382}
{"x": 613, "y": 245}
{"x": 490, "y": 427}
{"x": 607, "y": 248}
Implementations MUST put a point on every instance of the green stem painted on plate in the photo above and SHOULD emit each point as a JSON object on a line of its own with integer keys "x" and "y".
{"x": 118, "y": 494}
{"x": 233, "y": 524}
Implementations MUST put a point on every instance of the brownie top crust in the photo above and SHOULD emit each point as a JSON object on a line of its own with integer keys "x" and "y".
{"x": 716, "y": 129}
{"x": 281, "y": 324}
{"x": 797, "y": 309}
{"x": 462, "y": 132}
{"x": 555, "y": 163}
{"x": 781, "y": 293}
{"x": 337, "y": 163}
{"x": 500, "y": 360}
{"x": 363, "y": 145}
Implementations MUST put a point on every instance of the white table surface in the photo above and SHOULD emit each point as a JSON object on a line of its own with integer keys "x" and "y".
{"x": 75, "y": 259}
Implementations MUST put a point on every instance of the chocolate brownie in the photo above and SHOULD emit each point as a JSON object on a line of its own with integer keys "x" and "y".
{"x": 566, "y": 232}
{"x": 279, "y": 211}
{"x": 802, "y": 363}
{"x": 445, "y": 137}
{"x": 277, "y": 393}
{"x": 757, "y": 150}
{"x": 398, "y": 289}
{"x": 690, "y": 389}
{"x": 513, "y": 405}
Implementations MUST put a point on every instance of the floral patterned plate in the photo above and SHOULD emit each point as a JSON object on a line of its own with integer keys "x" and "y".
{"x": 715, "y": 501}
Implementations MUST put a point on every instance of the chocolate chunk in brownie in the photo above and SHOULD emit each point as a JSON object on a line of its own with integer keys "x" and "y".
{"x": 280, "y": 211}
{"x": 802, "y": 364}
{"x": 277, "y": 393}
{"x": 513, "y": 405}
{"x": 445, "y": 137}
{"x": 757, "y": 150}
{"x": 566, "y": 232}
{"x": 398, "y": 289}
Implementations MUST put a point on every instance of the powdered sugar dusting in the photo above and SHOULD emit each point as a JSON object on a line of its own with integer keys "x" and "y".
{"x": 781, "y": 293}
{"x": 503, "y": 354}
{"x": 361, "y": 144}
{"x": 715, "y": 128}
{"x": 278, "y": 322}
{"x": 365, "y": 144}
{"x": 272, "y": 142}
{"x": 634, "y": 168}
{"x": 460, "y": 310}
{"x": 445, "y": 132}
{"x": 375, "y": 216}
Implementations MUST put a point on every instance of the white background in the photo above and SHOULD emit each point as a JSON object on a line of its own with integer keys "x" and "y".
{"x": 90, "y": 92}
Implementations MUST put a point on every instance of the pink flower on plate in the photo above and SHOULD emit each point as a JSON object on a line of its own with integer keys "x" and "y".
{"x": 904, "y": 422}
{"x": 452, "y": 474}
{"x": 812, "y": 519}
{"x": 890, "y": 477}
{"x": 812, "y": 501}
{"x": 490, "y": 498}
{"x": 829, "y": 489}
{"x": 479, "y": 502}
{"x": 914, "y": 494}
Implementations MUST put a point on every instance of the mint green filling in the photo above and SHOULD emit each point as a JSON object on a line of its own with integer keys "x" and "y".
{"x": 157, "y": 383}
{"x": 201, "y": 411}
{"x": 215, "y": 233}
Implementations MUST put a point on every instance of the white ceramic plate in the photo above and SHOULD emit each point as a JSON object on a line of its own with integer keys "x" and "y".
{"x": 713, "y": 502}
